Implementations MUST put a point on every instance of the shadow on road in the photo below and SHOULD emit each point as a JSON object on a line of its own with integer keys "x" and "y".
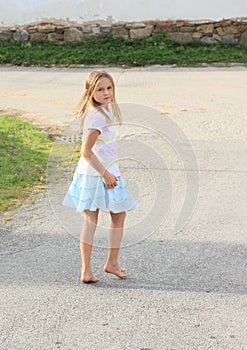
{"x": 169, "y": 265}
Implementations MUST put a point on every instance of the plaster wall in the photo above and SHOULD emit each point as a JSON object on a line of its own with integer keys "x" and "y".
{"x": 19, "y": 12}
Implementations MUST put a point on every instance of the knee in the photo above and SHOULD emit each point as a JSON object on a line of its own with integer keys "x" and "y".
{"x": 118, "y": 219}
{"x": 90, "y": 218}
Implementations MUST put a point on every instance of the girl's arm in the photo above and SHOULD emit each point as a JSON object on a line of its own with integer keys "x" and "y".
{"x": 109, "y": 179}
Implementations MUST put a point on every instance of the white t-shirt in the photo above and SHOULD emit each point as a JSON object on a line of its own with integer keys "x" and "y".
{"x": 105, "y": 147}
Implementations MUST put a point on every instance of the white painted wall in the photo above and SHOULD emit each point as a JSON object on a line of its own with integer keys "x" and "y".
{"x": 28, "y": 11}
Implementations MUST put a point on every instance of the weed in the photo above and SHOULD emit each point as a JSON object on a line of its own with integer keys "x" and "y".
{"x": 112, "y": 50}
{"x": 24, "y": 154}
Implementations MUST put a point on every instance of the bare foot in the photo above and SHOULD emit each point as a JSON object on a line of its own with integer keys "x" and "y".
{"x": 88, "y": 278}
{"x": 116, "y": 270}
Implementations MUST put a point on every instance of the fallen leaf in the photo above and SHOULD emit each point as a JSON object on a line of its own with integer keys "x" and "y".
{"x": 200, "y": 108}
{"x": 7, "y": 218}
{"x": 164, "y": 105}
{"x": 41, "y": 187}
{"x": 164, "y": 112}
{"x": 167, "y": 105}
{"x": 41, "y": 178}
{"x": 183, "y": 110}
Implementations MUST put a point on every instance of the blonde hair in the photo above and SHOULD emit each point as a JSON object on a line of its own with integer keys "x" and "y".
{"x": 88, "y": 101}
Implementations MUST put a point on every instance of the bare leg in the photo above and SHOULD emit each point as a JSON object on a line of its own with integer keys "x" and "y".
{"x": 114, "y": 242}
{"x": 86, "y": 245}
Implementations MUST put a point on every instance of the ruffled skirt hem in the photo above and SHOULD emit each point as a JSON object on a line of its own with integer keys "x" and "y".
{"x": 88, "y": 192}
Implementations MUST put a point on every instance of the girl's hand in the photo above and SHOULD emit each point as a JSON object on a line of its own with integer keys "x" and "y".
{"x": 109, "y": 179}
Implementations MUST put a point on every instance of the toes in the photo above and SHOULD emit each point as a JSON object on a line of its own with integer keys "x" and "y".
{"x": 91, "y": 280}
{"x": 88, "y": 278}
{"x": 121, "y": 273}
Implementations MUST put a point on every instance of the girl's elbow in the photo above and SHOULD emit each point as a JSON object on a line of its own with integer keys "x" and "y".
{"x": 86, "y": 153}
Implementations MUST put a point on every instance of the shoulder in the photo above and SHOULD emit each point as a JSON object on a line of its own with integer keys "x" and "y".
{"x": 95, "y": 115}
{"x": 95, "y": 119}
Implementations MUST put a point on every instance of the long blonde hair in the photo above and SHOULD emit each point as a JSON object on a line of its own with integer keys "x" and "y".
{"x": 88, "y": 101}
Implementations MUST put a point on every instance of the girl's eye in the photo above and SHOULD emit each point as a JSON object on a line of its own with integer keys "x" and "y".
{"x": 100, "y": 89}
{"x": 109, "y": 88}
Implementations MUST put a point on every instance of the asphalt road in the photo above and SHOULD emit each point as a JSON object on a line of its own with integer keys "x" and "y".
{"x": 183, "y": 153}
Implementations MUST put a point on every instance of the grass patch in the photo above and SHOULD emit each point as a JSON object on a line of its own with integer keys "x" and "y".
{"x": 115, "y": 51}
{"x": 24, "y": 154}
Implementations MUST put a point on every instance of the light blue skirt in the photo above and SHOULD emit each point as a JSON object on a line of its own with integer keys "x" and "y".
{"x": 88, "y": 192}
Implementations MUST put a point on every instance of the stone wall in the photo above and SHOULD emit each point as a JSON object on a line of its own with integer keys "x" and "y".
{"x": 228, "y": 31}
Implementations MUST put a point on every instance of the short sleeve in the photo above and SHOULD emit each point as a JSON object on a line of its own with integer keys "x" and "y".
{"x": 95, "y": 121}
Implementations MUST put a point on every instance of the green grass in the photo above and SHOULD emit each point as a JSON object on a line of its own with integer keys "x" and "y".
{"x": 115, "y": 51}
{"x": 24, "y": 154}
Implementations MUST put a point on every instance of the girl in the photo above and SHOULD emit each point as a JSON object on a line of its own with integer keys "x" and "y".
{"x": 97, "y": 182}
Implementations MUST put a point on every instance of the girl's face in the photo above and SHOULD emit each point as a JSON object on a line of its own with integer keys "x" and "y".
{"x": 104, "y": 91}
